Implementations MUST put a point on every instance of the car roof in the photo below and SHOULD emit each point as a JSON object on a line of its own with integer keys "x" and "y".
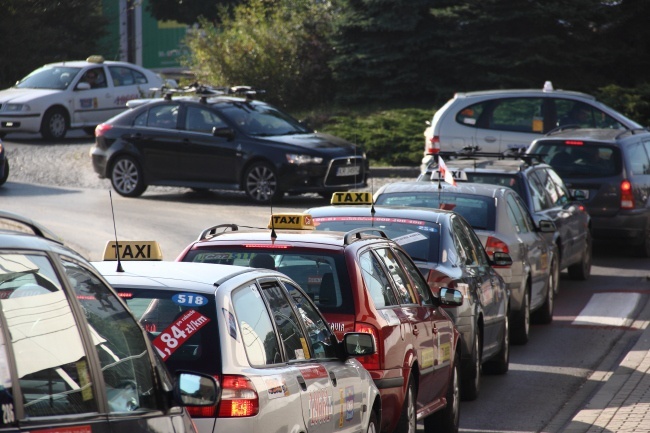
{"x": 196, "y": 277}
{"x": 84, "y": 63}
{"x": 422, "y": 214}
{"x": 303, "y": 238}
{"x": 522, "y": 92}
{"x": 483, "y": 189}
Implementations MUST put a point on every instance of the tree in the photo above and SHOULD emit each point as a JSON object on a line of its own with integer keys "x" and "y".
{"x": 187, "y": 11}
{"x": 59, "y": 30}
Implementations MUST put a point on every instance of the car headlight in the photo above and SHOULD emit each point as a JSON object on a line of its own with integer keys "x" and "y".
{"x": 294, "y": 158}
{"x": 16, "y": 107}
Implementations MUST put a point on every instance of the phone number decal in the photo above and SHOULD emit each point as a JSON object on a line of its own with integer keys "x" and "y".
{"x": 179, "y": 332}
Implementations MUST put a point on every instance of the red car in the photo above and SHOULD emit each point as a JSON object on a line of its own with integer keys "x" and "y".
{"x": 362, "y": 281}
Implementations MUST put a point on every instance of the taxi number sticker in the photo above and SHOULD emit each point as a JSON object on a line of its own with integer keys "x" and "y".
{"x": 410, "y": 238}
{"x": 189, "y": 299}
{"x": 178, "y": 333}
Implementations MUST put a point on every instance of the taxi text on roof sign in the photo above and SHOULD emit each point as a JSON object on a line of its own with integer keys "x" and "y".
{"x": 351, "y": 198}
{"x": 133, "y": 250}
{"x": 294, "y": 221}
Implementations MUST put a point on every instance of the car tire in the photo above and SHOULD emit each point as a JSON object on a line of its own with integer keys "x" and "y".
{"x": 261, "y": 183}
{"x": 127, "y": 177}
{"x": 520, "y": 327}
{"x": 555, "y": 274}
{"x": 545, "y": 314}
{"x": 55, "y": 124}
{"x": 407, "y": 422}
{"x": 582, "y": 269}
{"x": 4, "y": 177}
{"x": 373, "y": 424}
{"x": 470, "y": 381}
{"x": 447, "y": 420}
{"x": 501, "y": 362}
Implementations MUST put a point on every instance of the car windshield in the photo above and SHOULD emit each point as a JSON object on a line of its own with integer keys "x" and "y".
{"x": 261, "y": 120}
{"x": 420, "y": 239}
{"x": 586, "y": 160}
{"x": 48, "y": 77}
{"x": 323, "y": 275}
{"x": 478, "y": 210}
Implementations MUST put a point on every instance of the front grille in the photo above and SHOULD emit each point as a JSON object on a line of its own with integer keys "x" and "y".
{"x": 348, "y": 172}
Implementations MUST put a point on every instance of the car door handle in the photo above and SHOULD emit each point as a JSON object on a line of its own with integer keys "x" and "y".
{"x": 301, "y": 381}
{"x": 490, "y": 139}
{"x": 416, "y": 331}
{"x": 333, "y": 378}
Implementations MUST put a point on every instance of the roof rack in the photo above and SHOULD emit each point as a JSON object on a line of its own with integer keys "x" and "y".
{"x": 356, "y": 234}
{"x": 474, "y": 153}
{"x": 28, "y": 226}
{"x": 212, "y": 231}
{"x": 205, "y": 91}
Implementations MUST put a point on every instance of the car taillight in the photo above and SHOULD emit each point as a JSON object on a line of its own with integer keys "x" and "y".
{"x": 433, "y": 145}
{"x": 102, "y": 128}
{"x": 493, "y": 245}
{"x": 238, "y": 399}
{"x": 627, "y": 197}
{"x": 370, "y": 362}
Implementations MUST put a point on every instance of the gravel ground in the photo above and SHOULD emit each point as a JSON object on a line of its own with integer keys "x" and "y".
{"x": 68, "y": 165}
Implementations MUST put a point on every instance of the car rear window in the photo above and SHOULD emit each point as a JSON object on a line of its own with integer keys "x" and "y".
{"x": 501, "y": 179}
{"x": 420, "y": 239}
{"x": 181, "y": 325}
{"x": 322, "y": 274}
{"x": 577, "y": 158}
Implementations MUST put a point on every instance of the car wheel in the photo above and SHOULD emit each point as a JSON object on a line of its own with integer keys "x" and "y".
{"x": 470, "y": 381}
{"x": 261, "y": 182}
{"x": 127, "y": 177}
{"x": 582, "y": 270}
{"x": 520, "y": 329}
{"x": 447, "y": 420}
{"x": 500, "y": 363}
{"x": 407, "y": 422}
{"x": 55, "y": 124}
{"x": 4, "y": 177}
{"x": 555, "y": 275}
{"x": 373, "y": 426}
{"x": 545, "y": 314}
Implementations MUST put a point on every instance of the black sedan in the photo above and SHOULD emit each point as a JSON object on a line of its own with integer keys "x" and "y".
{"x": 222, "y": 142}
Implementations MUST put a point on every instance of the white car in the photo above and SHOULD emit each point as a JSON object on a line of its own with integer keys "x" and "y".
{"x": 61, "y": 96}
{"x": 278, "y": 364}
{"x": 498, "y": 120}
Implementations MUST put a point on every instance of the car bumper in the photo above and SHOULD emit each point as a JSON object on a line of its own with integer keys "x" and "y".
{"x": 20, "y": 123}
{"x": 629, "y": 228}
{"x": 319, "y": 178}
{"x": 391, "y": 390}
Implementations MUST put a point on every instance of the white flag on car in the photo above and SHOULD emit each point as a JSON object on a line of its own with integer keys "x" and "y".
{"x": 445, "y": 173}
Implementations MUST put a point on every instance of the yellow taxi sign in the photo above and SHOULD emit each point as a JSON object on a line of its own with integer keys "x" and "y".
{"x": 293, "y": 221}
{"x": 351, "y": 198}
{"x": 133, "y": 250}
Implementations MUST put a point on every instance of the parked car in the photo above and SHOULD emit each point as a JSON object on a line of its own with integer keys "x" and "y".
{"x": 610, "y": 171}
{"x": 503, "y": 224}
{"x": 545, "y": 195}
{"x": 498, "y": 120}
{"x": 279, "y": 366}
{"x": 364, "y": 282}
{"x": 4, "y": 164}
{"x": 448, "y": 254}
{"x": 73, "y": 357}
{"x": 222, "y": 142}
{"x": 60, "y": 96}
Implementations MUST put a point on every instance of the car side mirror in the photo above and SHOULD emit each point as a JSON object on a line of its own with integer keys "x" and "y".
{"x": 501, "y": 259}
{"x": 358, "y": 344}
{"x": 450, "y": 297}
{"x": 83, "y": 86}
{"x": 224, "y": 132}
{"x": 547, "y": 226}
{"x": 196, "y": 389}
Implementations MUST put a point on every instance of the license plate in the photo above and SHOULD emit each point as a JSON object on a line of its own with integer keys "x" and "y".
{"x": 348, "y": 171}
{"x": 575, "y": 192}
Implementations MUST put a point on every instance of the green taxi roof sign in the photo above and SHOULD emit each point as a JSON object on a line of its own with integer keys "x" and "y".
{"x": 133, "y": 250}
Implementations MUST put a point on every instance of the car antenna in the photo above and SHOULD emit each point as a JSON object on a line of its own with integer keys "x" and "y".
{"x": 274, "y": 236}
{"x": 117, "y": 245}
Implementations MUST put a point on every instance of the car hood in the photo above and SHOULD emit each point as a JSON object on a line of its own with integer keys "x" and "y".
{"x": 16, "y": 95}
{"x": 316, "y": 141}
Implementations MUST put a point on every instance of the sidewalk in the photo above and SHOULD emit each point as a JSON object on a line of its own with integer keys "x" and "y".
{"x": 622, "y": 404}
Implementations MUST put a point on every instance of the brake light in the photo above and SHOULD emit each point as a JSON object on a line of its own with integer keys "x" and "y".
{"x": 274, "y": 247}
{"x": 574, "y": 143}
{"x": 433, "y": 145}
{"x": 370, "y": 362}
{"x": 238, "y": 399}
{"x": 495, "y": 245}
{"x": 627, "y": 198}
{"x": 102, "y": 128}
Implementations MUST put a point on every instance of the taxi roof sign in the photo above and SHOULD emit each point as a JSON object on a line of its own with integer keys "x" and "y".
{"x": 293, "y": 221}
{"x": 347, "y": 197}
{"x": 133, "y": 250}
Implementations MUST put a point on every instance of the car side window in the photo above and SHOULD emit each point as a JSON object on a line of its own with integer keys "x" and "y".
{"x": 120, "y": 344}
{"x": 421, "y": 285}
{"x": 319, "y": 333}
{"x": 201, "y": 120}
{"x": 564, "y": 196}
{"x": 557, "y": 195}
{"x": 401, "y": 280}
{"x": 638, "y": 157}
{"x": 469, "y": 116}
{"x": 123, "y": 76}
{"x": 517, "y": 115}
{"x": 539, "y": 197}
{"x": 163, "y": 116}
{"x": 570, "y": 112}
{"x": 376, "y": 280}
{"x": 464, "y": 244}
{"x": 258, "y": 334}
{"x": 515, "y": 215}
{"x": 51, "y": 361}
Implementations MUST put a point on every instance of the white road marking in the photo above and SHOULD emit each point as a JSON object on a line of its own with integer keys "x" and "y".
{"x": 609, "y": 309}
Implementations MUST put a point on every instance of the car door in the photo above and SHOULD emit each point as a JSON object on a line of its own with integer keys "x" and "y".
{"x": 93, "y": 106}
{"x": 127, "y": 83}
{"x": 206, "y": 157}
{"x": 349, "y": 389}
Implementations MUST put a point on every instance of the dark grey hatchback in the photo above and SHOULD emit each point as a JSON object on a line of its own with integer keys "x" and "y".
{"x": 72, "y": 357}
{"x": 222, "y": 142}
